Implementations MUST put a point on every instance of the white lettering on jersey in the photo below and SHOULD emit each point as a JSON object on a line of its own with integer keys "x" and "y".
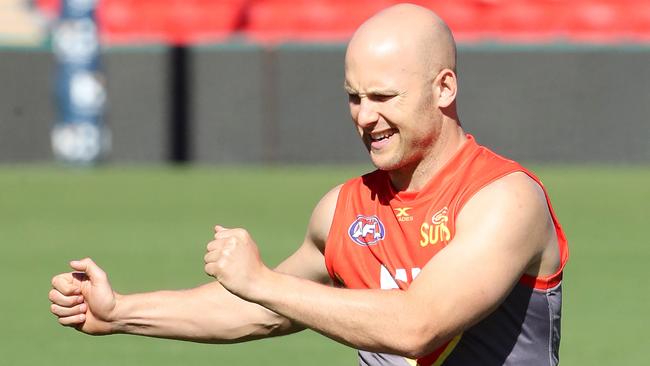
{"x": 386, "y": 280}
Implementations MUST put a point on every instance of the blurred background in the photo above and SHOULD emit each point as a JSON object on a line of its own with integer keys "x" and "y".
{"x": 128, "y": 128}
{"x": 235, "y": 81}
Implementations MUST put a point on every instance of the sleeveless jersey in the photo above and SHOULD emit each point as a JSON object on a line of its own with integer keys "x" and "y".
{"x": 380, "y": 239}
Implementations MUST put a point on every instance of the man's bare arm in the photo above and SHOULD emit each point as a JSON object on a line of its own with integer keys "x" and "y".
{"x": 209, "y": 313}
{"x": 501, "y": 233}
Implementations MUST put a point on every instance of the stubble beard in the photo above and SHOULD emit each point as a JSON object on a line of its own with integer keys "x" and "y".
{"x": 389, "y": 160}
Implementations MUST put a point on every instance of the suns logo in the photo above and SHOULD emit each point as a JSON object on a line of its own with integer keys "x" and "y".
{"x": 367, "y": 230}
{"x": 437, "y": 231}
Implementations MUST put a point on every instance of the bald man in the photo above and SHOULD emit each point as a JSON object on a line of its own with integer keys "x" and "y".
{"x": 447, "y": 254}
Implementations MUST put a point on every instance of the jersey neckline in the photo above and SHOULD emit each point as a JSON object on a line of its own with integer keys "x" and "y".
{"x": 449, "y": 168}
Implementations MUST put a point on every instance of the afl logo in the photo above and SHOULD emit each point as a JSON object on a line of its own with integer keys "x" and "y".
{"x": 366, "y": 230}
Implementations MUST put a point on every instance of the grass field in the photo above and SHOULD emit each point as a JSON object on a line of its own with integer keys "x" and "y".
{"x": 148, "y": 228}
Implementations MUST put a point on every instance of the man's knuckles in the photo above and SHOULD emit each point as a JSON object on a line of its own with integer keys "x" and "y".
{"x": 213, "y": 245}
{"x": 217, "y": 244}
{"x": 239, "y": 232}
{"x": 222, "y": 234}
{"x": 63, "y": 311}
{"x": 235, "y": 232}
{"x": 223, "y": 244}
{"x": 58, "y": 298}
{"x": 63, "y": 283}
{"x": 212, "y": 269}
{"x": 59, "y": 280}
{"x": 217, "y": 264}
{"x": 207, "y": 258}
{"x": 72, "y": 320}
{"x": 215, "y": 255}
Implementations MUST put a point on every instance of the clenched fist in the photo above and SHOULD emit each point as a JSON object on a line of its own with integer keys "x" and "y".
{"x": 83, "y": 299}
{"x": 234, "y": 260}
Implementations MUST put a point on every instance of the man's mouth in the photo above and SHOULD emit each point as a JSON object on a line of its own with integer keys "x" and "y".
{"x": 379, "y": 136}
{"x": 380, "y": 139}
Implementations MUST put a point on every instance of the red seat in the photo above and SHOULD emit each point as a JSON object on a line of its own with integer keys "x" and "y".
{"x": 192, "y": 21}
{"x": 49, "y": 8}
{"x": 175, "y": 21}
{"x": 117, "y": 20}
{"x": 336, "y": 20}
{"x": 304, "y": 20}
{"x": 270, "y": 20}
{"x": 637, "y": 16}
{"x": 531, "y": 21}
{"x": 469, "y": 20}
{"x": 597, "y": 21}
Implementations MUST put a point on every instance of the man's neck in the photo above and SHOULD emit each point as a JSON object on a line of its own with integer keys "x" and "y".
{"x": 414, "y": 177}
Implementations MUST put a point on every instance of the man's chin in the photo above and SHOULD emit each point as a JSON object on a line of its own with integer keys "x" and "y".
{"x": 384, "y": 163}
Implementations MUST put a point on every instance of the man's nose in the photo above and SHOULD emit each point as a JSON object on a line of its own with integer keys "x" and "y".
{"x": 368, "y": 114}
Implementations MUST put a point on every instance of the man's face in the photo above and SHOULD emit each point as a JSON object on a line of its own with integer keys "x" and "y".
{"x": 392, "y": 103}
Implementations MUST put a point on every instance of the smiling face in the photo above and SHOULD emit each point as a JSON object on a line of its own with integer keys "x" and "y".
{"x": 401, "y": 87}
{"x": 392, "y": 102}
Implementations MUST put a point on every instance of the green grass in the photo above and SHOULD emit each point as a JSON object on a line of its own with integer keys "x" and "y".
{"x": 606, "y": 215}
{"x": 148, "y": 228}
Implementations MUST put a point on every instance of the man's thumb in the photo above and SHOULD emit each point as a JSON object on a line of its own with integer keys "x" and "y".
{"x": 89, "y": 267}
{"x": 218, "y": 228}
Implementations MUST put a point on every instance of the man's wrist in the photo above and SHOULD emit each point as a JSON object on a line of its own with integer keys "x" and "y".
{"x": 115, "y": 321}
{"x": 262, "y": 288}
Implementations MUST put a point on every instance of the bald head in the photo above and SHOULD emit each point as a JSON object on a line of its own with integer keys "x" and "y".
{"x": 416, "y": 34}
{"x": 401, "y": 86}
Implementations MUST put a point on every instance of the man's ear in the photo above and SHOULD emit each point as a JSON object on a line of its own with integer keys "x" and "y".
{"x": 447, "y": 88}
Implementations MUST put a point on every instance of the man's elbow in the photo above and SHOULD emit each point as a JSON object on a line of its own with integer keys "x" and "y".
{"x": 273, "y": 325}
{"x": 417, "y": 349}
{"x": 420, "y": 341}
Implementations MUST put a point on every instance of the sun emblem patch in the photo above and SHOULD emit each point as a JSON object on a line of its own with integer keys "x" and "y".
{"x": 437, "y": 231}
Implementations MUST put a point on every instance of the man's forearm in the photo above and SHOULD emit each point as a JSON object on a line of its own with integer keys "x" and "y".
{"x": 373, "y": 320}
{"x": 208, "y": 314}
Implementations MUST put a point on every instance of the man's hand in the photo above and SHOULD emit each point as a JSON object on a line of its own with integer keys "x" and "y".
{"x": 234, "y": 260}
{"x": 83, "y": 299}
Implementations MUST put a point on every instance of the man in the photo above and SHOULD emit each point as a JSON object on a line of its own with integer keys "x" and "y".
{"x": 465, "y": 239}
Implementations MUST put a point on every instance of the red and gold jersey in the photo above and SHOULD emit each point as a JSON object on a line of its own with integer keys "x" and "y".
{"x": 381, "y": 239}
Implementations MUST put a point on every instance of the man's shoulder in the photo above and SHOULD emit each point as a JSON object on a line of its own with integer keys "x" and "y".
{"x": 516, "y": 199}
{"x": 518, "y": 183}
{"x": 323, "y": 214}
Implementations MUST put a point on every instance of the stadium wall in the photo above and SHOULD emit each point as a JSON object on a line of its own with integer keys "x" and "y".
{"x": 26, "y": 105}
{"x": 250, "y": 104}
{"x": 137, "y": 113}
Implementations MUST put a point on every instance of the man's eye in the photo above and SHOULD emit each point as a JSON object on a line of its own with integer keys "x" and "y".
{"x": 380, "y": 97}
{"x": 354, "y": 98}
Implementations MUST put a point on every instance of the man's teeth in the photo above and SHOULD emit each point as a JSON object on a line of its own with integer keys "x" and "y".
{"x": 382, "y": 136}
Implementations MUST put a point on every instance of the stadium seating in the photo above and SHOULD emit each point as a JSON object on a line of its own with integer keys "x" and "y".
{"x": 466, "y": 18}
{"x": 176, "y": 22}
{"x": 531, "y": 21}
{"x": 304, "y": 20}
{"x": 596, "y": 21}
{"x": 49, "y": 8}
{"x": 637, "y": 15}
{"x": 192, "y": 21}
